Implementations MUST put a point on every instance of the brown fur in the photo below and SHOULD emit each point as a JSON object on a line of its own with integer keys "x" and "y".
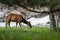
{"x": 16, "y": 18}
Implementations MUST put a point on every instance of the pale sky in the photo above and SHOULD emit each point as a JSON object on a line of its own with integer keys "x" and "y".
{"x": 35, "y": 21}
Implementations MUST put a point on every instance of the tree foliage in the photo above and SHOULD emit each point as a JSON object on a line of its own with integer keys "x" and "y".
{"x": 54, "y": 4}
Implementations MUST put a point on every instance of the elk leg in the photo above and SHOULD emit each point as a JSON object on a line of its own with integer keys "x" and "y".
{"x": 16, "y": 24}
{"x": 9, "y": 24}
{"x": 6, "y": 24}
{"x": 20, "y": 24}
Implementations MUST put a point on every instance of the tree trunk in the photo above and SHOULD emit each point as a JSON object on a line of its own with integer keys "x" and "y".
{"x": 52, "y": 22}
{"x": 57, "y": 22}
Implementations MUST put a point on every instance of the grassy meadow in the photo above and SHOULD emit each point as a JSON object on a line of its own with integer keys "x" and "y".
{"x": 26, "y": 33}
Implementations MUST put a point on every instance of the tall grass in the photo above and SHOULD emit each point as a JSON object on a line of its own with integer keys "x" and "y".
{"x": 26, "y": 33}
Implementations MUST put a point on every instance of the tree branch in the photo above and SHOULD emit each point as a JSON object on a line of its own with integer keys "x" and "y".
{"x": 38, "y": 11}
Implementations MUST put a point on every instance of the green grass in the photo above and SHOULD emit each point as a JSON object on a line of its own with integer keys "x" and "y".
{"x": 26, "y": 33}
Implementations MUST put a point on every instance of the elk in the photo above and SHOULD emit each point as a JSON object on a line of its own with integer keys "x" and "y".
{"x": 16, "y": 18}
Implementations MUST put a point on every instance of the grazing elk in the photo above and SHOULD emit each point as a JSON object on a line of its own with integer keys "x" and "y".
{"x": 16, "y": 18}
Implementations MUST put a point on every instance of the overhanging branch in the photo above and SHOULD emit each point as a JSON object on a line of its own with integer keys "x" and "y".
{"x": 38, "y": 11}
